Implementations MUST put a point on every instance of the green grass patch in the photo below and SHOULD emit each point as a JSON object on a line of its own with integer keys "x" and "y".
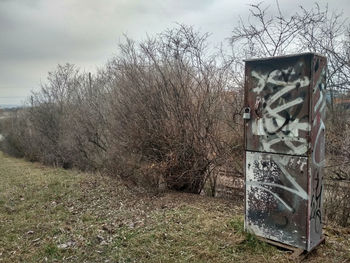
{"x": 51, "y": 251}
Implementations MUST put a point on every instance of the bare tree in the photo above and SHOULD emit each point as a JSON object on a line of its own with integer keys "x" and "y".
{"x": 314, "y": 30}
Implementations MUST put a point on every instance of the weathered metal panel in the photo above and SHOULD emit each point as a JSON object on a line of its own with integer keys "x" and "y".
{"x": 284, "y": 142}
{"x": 277, "y": 92}
{"x": 276, "y": 197}
{"x": 317, "y": 156}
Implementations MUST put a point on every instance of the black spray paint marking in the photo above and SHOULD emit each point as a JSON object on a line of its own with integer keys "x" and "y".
{"x": 280, "y": 120}
{"x": 316, "y": 200}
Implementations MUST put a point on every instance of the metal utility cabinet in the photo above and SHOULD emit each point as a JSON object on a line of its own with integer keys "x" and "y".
{"x": 284, "y": 136}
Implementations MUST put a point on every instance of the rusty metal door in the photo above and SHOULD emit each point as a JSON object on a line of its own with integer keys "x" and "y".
{"x": 284, "y": 144}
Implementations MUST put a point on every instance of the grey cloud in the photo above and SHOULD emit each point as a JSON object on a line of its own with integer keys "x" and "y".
{"x": 35, "y": 35}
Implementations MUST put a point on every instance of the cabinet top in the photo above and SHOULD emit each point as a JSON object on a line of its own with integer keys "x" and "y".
{"x": 284, "y": 56}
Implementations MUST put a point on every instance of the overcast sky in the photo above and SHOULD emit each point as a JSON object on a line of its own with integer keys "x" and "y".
{"x": 36, "y": 35}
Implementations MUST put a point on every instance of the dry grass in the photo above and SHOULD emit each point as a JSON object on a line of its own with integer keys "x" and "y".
{"x": 54, "y": 215}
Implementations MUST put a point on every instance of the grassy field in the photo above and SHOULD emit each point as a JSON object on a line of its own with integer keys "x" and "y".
{"x": 55, "y": 215}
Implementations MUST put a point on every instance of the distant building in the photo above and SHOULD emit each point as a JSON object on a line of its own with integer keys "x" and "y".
{"x": 342, "y": 102}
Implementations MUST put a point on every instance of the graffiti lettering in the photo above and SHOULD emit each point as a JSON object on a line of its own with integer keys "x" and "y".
{"x": 318, "y": 160}
{"x": 316, "y": 213}
{"x": 279, "y": 113}
{"x": 279, "y": 163}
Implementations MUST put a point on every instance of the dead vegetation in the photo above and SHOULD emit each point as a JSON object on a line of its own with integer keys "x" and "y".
{"x": 157, "y": 112}
{"x": 56, "y": 215}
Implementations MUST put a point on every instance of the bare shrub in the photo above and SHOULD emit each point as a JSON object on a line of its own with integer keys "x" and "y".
{"x": 168, "y": 109}
{"x": 337, "y": 187}
{"x": 338, "y": 144}
{"x": 12, "y": 130}
{"x": 48, "y": 113}
{"x": 336, "y": 202}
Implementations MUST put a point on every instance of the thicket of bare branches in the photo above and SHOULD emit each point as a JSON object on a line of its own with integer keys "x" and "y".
{"x": 160, "y": 111}
{"x": 307, "y": 30}
{"x": 169, "y": 107}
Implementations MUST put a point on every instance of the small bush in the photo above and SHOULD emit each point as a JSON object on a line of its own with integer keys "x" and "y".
{"x": 336, "y": 203}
